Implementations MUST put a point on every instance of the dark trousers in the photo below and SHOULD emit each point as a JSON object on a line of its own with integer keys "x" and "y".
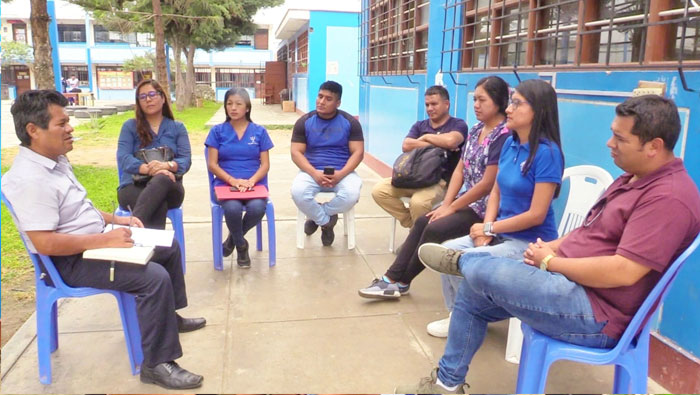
{"x": 237, "y": 223}
{"x": 150, "y": 202}
{"x": 407, "y": 265}
{"x": 159, "y": 287}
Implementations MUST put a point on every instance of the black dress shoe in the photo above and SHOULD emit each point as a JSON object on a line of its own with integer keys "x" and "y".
{"x": 310, "y": 227}
{"x": 189, "y": 324}
{"x": 171, "y": 376}
{"x": 242, "y": 258}
{"x": 327, "y": 234}
{"x": 227, "y": 246}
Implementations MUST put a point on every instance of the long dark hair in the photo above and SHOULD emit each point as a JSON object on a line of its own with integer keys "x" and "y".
{"x": 545, "y": 122}
{"x": 497, "y": 89}
{"x": 246, "y": 98}
{"x": 143, "y": 129}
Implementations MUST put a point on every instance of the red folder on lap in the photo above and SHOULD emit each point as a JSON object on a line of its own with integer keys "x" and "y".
{"x": 225, "y": 193}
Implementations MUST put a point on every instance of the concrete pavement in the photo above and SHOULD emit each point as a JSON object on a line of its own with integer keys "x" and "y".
{"x": 299, "y": 327}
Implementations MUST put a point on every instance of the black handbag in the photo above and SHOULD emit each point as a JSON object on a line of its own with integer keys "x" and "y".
{"x": 161, "y": 154}
{"x": 419, "y": 168}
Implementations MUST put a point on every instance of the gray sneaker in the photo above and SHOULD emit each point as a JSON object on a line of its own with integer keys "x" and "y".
{"x": 429, "y": 385}
{"x": 439, "y": 258}
{"x": 380, "y": 289}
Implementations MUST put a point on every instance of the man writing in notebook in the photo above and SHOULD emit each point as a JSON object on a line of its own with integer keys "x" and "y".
{"x": 58, "y": 220}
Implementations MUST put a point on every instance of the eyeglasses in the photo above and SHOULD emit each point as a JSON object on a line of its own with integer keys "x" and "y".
{"x": 595, "y": 212}
{"x": 151, "y": 94}
{"x": 515, "y": 103}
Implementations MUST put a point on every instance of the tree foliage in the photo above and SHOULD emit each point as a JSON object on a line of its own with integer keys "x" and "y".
{"x": 16, "y": 52}
{"x": 188, "y": 25}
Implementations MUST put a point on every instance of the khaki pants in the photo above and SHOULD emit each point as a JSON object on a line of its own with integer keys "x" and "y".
{"x": 422, "y": 201}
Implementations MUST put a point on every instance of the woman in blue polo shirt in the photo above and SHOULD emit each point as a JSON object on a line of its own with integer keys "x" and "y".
{"x": 529, "y": 176}
{"x": 238, "y": 156}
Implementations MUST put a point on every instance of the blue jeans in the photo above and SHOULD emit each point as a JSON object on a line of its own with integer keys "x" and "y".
{"x": 509, "y": 248}
{"x": 238, "y": 224}
{"x": 496, "y": 288}
{"x": 305, "y": 188}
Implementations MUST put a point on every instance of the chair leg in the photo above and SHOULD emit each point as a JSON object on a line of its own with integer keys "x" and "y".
{"x": 132, "y": 334}
{"x": 44, "y": 318}
{"x": 54, "y": 327}
{"x": 532, "y": 373}
{"x": 300, "y": 229}
{"x": 350, "y": 221}
{"x": 271, "y": 235}
{"x": 258, "y": 236}
{"x": 175, "y": 216}
{"x": 515, "y": 341}
{"x": 217, "y": 216}
{"x": 392, "y": 237}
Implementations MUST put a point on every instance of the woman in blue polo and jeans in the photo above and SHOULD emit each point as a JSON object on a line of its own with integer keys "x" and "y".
{"x": 518, "y": 212}
{"x": 238, "y": 156}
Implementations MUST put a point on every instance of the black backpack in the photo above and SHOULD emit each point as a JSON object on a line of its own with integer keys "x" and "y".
{"x": 419, "y": 168}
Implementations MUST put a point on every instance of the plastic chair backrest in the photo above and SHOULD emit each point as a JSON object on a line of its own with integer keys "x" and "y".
{"x": 657, "y": 295}
{"x": 210, "y": 176}
{"x": 43, "y": 265}
{"x": 586, "y": 185}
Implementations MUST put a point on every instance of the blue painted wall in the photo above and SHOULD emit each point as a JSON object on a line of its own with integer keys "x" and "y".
{"x": 586, "y": 108}
{"x": 334, "y": 38}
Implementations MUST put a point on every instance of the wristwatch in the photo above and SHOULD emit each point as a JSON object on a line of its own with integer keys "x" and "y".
{"x": 488, "y": 229}
{"x": 545, "y": 261}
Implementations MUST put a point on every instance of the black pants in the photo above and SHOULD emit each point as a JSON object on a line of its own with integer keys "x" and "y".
{"x": 150, "y": 202}
{"x": 407, "y": 265}
{"x": 159, "y": 287}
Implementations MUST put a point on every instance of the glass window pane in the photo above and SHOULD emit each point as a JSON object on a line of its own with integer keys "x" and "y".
{"x": 559, "y": 47}
{"x": 625, "y": 37}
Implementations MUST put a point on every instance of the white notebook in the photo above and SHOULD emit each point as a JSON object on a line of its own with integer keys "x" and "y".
{"x": 138, "y": 255}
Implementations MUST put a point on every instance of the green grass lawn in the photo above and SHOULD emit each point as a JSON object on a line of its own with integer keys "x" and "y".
{"x": 105, "y": 131}
{"x": 101, "y": 184}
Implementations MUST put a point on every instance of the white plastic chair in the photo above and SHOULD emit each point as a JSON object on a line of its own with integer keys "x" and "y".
{"x": 586, "y": 185}
{"x": 348, "y": 222}
{"x": 392, "y": 239}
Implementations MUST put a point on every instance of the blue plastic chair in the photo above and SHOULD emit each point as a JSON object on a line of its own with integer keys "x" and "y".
{"x": 630, "y": 356}
{"x": 47, "y": 295}
{"x": 217, "y": 215}
{"x": 175, "y": 216}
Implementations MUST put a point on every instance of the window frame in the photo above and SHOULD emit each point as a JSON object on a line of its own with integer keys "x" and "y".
{"x": 595, "y": 38}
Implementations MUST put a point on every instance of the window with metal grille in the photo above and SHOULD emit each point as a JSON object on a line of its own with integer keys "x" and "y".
{"x": 394, "y": 36}
{"x": 79, "y": 71}
{"x": 202, "y": 75}
{"x": 102, "y": 35}
{"x": 303, "y": 53}
{"x": 236, "y": 78}
{"x": 71, "y": 33}
{"x": 565, "y": 33}
{"x": 282, "y": 54}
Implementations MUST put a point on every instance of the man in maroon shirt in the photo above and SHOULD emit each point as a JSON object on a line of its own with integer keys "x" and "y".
{"x": 584, "y": 287}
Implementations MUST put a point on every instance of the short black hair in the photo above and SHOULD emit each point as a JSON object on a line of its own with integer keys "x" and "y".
{"x": 438, "y": 90}
{"x": 654, "y": 116}
{"x": 33, "y": 107}
{"x": 332, "y": 87}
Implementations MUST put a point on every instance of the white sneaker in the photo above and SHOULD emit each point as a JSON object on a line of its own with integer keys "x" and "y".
{"x": 439, "y": 328}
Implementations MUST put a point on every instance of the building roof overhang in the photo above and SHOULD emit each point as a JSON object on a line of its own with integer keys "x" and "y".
{"x": 291, "y": 23}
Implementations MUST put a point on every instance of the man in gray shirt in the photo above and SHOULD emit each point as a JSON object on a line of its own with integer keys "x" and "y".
{"x": 57, "y": 219}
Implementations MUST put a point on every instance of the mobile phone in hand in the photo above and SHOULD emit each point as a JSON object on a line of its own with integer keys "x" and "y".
{"x": 233, "y": 189}
{"x": 329, "y": 170}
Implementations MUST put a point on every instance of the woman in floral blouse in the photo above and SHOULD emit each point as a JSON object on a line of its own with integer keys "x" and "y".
{"x": 476, "y": 171}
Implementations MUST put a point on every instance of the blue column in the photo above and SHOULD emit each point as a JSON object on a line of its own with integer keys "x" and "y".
{"x": 53, "y": 39}
{"x": 89, "y": 65}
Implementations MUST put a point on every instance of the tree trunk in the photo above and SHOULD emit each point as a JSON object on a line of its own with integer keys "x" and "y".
{"x": 43, "y": 63}
{"x": 161, "y": 71}
{"x": 179, "y": 80}
{"x": 189, "y": 83}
